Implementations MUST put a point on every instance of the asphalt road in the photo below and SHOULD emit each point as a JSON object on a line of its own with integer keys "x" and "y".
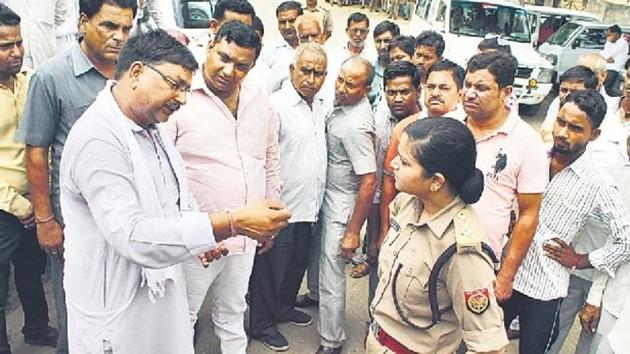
{"x": 302, "y": 339}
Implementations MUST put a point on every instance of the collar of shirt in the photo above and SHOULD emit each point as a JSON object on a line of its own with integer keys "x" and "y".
{"x": 20, "y": 79}
{"x": 583, "y": 166}
{"x": 347, "y": 110}
{"x": 294, "y": 97}
{"x": 80, "y": 63}
{"x": 439, "y": 222}
{"x": 505, "y": 129}
{"x": 248, "y": 90}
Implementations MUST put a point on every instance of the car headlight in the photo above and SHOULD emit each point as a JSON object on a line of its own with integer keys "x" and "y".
{"x": 553, "y": 59}
{"x": 545, "y": 76}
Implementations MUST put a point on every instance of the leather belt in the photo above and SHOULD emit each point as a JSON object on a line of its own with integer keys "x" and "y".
{"x": 388, "y": 341}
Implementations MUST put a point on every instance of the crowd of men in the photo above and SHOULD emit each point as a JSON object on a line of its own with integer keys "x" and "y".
{"x": 150, "y": 179}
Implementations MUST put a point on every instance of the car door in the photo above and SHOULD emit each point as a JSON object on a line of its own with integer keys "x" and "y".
{"x": 589, "y": 40}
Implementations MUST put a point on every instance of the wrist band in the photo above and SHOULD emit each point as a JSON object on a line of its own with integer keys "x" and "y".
{"x": 231, "y": 218}
{"x": 575, "y": 264}
{"x": 43, "y": 221}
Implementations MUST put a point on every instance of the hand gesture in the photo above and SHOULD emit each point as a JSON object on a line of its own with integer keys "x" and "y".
{"x": 261, "y": 221}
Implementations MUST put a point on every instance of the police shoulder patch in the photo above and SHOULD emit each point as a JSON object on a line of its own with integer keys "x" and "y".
{"x": 477, "y": 301}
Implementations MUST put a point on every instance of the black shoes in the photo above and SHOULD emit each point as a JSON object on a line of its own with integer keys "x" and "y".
{"x": 48, "y": 338}
{"x": 328, "y": 350}
{"x": 276, "y": 342}
{"x": 298, "y": 318}
{"x": 304, "y": 301}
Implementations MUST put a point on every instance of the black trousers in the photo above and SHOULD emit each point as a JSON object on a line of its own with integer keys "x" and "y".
{"x": 276, "y": 278}
{"x": 538, "y": 319}
{"x": 19, "y": 246}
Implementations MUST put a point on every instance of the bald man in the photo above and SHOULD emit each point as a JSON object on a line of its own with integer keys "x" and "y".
{"x": 309, "y": 29}
{"x": 350, "y": 187}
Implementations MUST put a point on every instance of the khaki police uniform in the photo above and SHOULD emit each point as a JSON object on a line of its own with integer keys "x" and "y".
{"x": 465, "y": 281}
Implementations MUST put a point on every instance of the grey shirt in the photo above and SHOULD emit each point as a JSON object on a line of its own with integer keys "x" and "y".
{"x": 350, "y": 142}
{"x": 60, "y": 91}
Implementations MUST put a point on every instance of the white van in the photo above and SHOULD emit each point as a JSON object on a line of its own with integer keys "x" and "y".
{"x": 544, "y": 21}
{"x": 572, "y": 40}
{"x": 464, "y": 23}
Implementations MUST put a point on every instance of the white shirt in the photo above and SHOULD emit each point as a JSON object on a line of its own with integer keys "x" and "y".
{"x": 302, "y": 138}
{"x": 572, "y": 196}
{"x": 277, "y": 56}
{"x": 38, "y": 25}
{"x": 618, "y": 51}
{"x": 67, "y": 30}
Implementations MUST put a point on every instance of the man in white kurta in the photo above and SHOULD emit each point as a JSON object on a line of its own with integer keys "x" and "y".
{"x": 129, "y": 218}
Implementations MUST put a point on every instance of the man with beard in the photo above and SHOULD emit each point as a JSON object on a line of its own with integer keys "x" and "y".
{"x": 384, "y": 32}
{"x": 576, "y": 78}
{"x": 278, "y": 274}
{"x": 278, "y": 56}
{"x": 60, "y": 91}
{"x": 402, "y": 82}
{"x": 18, "y": 242}
{"x": 240, "y": 166}
{"x": 124, "y": 277}
{"x": 350, "y": 186}
{"x": 576, "y": 192}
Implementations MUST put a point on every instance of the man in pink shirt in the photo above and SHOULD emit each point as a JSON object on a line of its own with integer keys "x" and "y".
{"x": 512, "y": 157}
{"x": 227, "y": 136}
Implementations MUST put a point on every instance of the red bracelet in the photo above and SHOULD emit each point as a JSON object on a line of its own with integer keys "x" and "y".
{"x": 575, "y": 264}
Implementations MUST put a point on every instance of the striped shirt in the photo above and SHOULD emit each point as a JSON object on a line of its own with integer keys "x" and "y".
{"x": 574, "y": 194}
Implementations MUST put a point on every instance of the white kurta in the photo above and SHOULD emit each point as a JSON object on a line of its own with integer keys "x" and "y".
{"x": 114, "y": 238}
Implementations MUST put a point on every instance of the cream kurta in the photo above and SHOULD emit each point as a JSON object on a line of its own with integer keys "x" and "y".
{"x": 111, "y": 237}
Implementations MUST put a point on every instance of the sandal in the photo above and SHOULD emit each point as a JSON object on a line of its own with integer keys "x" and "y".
{"x": 360, "y": 270}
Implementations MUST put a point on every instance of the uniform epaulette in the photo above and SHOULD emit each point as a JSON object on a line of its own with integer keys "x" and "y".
{"x": 467, "y": 231}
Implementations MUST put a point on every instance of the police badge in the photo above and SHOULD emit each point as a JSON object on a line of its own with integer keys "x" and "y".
{"x": 477, "y": 301}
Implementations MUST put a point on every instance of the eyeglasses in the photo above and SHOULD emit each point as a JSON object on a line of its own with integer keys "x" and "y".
{"x": 358, "y": 30}
{"x": 175, "y": 86}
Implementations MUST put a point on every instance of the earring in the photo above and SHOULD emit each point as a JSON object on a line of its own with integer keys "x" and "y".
{"x": 433, "y": 188}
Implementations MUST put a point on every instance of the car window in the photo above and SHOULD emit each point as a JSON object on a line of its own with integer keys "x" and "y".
{"x": 592, "y": 38}
{"x": 441, "y": 12}
{"x": 561, "y": 38}
{"x": 197, "y": 13}
{"x": 422, "y": 10}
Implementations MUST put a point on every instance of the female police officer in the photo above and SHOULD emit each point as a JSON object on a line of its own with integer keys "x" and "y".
{"x": 435, "y": 276}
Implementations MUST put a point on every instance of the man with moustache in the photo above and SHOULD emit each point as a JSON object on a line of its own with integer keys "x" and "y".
{"x": 441, "y": 100}
{"x": 278, "y": 274}
{"x": 240, "y": 166}
{"x": 384, "y": 32}
{"x": 542, "y": 281}
{"x": 18, "y": 242}
{"x": 576, "y": 78}
{"x": 126, "y": 289}
{"x": 60, "y": 91}
{"x": 278, "y": 56}
{"x": 350, "y": 186}
{"x": 402, "y": 82}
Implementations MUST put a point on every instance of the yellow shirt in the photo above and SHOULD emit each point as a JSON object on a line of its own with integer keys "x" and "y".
{"x": 465, "y": 282}
{"x": 13, "y": 183}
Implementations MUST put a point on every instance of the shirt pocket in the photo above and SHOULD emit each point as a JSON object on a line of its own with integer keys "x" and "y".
{"x": 413, "y": 290}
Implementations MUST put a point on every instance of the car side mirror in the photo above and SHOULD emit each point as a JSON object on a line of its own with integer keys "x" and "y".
{"x": 576, "y": 43}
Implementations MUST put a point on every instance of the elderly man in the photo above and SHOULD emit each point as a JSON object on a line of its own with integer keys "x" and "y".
{"x": 18, "y": 242}
{"x": 350, "y": 186}
{"x": 242, "y": 165}
{"x": 60, "y": 91}
{"x": 323, "y": 15}
{"x": 132, "y": 297}
{"x": 309, "y": 29}
{"x": 278, "y": 56}
{"x": 278, "y": 273}
{"x": 598, "y": 64}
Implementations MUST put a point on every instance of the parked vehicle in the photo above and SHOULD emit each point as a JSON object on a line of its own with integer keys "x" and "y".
{"x": 464, "y": 23}
{"x": 572, "y": 40}
{"x": 544, "y": 21}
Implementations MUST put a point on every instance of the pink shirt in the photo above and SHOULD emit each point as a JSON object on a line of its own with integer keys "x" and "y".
{"x": 229, "y": 162}
{"x": 513, "y": 160}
